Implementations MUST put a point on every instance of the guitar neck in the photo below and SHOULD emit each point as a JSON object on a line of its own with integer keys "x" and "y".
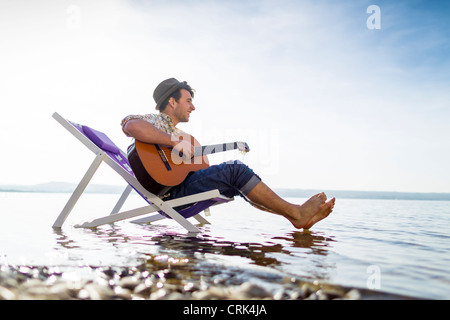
{"x": 215, "y": 148}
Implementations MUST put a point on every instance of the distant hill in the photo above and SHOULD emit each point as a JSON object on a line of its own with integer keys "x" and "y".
{"x": 61, "y": 187}
{"x": 349, "y": 194}
{"x": 65, "y": 187}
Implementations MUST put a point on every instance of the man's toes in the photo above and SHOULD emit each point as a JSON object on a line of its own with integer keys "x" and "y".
{"x": 321, "y": 196}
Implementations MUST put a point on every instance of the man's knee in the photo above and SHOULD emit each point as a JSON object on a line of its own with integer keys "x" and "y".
{"x": 238, "y": 172}
{"x": 236, "y": 167}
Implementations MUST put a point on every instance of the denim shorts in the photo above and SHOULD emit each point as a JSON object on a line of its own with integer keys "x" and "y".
{"x": 231, "y": 178}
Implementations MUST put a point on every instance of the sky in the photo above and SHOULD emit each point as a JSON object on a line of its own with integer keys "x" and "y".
{"x": 328, "y": 94}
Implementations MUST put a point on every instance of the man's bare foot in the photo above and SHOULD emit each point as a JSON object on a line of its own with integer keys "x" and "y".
{"x": 324, "y": 211}
{"x": 312, "y": 211}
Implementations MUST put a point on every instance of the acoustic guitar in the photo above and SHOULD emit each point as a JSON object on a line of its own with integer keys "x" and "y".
{"x": 166, "y": 168}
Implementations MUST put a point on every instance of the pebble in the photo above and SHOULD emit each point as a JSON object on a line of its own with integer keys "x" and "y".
{"x": 128, "y": 283}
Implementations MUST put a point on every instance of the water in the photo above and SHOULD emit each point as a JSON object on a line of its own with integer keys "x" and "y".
{"x": 393, "y": 246}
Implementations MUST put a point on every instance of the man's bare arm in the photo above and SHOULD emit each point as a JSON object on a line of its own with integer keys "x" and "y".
{"x": 144, "y": 131}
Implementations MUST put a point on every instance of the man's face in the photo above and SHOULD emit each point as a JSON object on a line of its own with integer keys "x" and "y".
{"x": 184, "y": 106}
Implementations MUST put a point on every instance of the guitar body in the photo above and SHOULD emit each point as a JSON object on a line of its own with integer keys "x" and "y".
{"x": 166, "y": 167}
{"x": 158, "y": 168}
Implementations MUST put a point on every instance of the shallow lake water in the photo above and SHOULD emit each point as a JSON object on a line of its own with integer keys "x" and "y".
{"x": 393, "y": 246}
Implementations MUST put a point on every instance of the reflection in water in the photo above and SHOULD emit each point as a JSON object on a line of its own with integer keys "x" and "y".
{"x": 62, "y": 240}
{"x": 279, "y": 253}
{"x": 260, "y": 254}
{"x": 287, "y": 266}
{"x": 308, "y": 253}
{"x": 308, "y": 240}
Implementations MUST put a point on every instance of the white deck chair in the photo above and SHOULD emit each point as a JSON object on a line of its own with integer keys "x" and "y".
{"x": 106, "y": 151}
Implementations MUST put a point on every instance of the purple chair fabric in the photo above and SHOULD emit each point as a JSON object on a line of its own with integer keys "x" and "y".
{"x": 101, "y": 140}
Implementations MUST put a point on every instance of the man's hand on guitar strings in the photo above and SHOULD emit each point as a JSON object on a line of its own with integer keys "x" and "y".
{"x": 183, "y": 149}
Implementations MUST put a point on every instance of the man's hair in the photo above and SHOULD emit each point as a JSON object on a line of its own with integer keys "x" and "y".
{"x": 177, "y": 95}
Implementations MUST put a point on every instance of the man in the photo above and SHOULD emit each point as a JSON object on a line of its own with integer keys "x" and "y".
{"x": 174, "y": 102}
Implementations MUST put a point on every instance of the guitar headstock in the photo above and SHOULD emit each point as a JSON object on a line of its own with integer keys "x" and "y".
{"x": 243, "y": 146}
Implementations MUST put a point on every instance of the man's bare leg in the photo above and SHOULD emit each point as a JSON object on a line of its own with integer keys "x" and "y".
{"x": 303, "y": 216}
